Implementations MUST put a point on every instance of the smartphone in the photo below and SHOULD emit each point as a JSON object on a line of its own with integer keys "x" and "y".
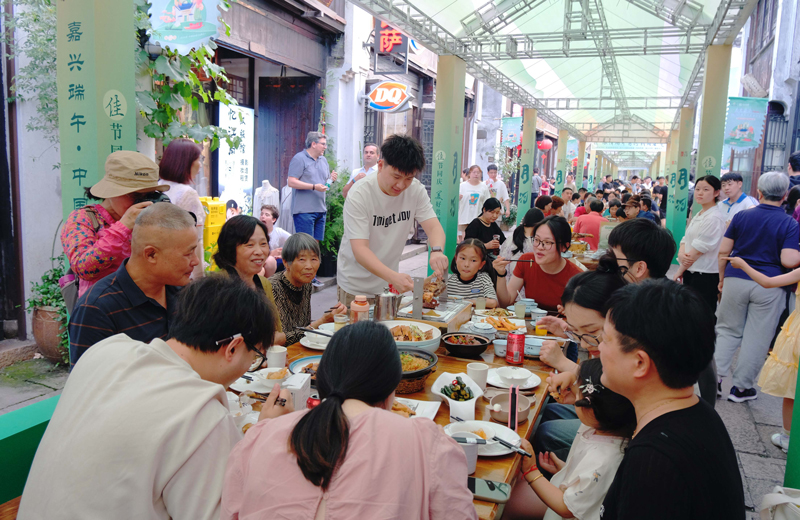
{"x": 489, "y": 490}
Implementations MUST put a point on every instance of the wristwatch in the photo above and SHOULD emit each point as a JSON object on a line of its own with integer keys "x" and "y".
{"x": 436, "y": 249}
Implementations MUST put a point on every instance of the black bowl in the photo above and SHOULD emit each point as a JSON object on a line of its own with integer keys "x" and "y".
{"x": 465, "y": 351}
{"x": 424, "y": 354}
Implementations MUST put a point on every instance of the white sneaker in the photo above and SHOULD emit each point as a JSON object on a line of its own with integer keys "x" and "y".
{"x": 781, "y": 440}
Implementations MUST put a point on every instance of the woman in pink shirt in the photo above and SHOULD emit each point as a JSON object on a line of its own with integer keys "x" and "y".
{"x": 349, "y": 457}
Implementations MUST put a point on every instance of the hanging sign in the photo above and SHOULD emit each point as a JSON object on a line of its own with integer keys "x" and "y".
{"x": 235, "y": 173}
{"x": 183, "y": 25}
{"x": 512, "y": 131}
{"x": 389, "y": 96}
{"x": 388, "y": 46}
{"x": 572, "y": 150}
{"x": 745, "y": 122}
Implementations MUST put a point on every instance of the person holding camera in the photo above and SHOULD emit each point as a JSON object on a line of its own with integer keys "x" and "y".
{"x": 139, "y": 298}
{"x": 97, "y": 237}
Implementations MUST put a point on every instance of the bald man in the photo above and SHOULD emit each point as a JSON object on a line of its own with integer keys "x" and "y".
{"x": 139, "y": 299}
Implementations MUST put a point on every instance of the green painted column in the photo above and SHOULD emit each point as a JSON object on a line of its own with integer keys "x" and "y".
{"x": 715, "y": 106}
{"x": 599, "y": 172}
{"x": 677, "y": 198}
{"x": 591, "y": 171}
{"x": 615, "y": 171}
{"x": 448, "y": 134}
{"x": 96, "y": 97}
{"x": 662, "y": 164}
{"x": 581, "y": 164}
{"x": 527, "y": 160}
{"x": 561, "y": 163}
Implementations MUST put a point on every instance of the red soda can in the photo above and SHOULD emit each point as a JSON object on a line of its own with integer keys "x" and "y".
{"x": 312, "y": 402}
{"x": 515, "y": 349}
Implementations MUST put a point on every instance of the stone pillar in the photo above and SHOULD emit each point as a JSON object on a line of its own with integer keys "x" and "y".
{"x": 662, "y": 164}
{"x": 591, "y": 172}
{"x": 561, "y": 164}
{"x": 527, "y": 160}
{"x": 448, "y": 134}
{"x": 581, "y": 164}
{"x": 677, "y": 202}
{"x": 715, "y": 106}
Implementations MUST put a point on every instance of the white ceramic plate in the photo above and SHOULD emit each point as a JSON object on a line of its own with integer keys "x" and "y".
{"x": 519, "y": 323}
{"x": 486, "y": 311}
{"x": 492, "y": 450}
{"x": 313, "y": 346}
{"x": 429, "y": 345}
{"x": 492, "y": 378}
{"x": 426, "y": 409}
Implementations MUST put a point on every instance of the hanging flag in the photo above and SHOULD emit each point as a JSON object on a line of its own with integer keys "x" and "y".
{"x": 745, "y": 122}
{"x": 572, "y": 149}
{"x": 512, "y": 131}
{"x": 183, "y": 25}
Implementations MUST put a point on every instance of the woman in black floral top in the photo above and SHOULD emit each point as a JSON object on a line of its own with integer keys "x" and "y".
{"x": 292, "y": 287}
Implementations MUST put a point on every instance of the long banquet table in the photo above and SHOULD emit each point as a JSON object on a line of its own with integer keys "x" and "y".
{"x": 499, "y": 469}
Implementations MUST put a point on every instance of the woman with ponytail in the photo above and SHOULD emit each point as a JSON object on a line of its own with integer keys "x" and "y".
{"x": 349, "y": 457}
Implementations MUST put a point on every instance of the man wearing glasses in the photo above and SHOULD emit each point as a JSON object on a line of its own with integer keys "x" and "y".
{"x": 143, "y": 430}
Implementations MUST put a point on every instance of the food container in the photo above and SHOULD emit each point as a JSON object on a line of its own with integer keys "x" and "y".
{"x": 537, "y": 313}
{"x": 468, "y": 426}
{"x": 515, "y": 348}
{"x": 523, "y": 407}
{"x": 481, "y": 328}
{"x": 463, "y": 409}
{"x": 461, "y": 350}
{"x": 514, "y": 375}
{"x": 321, "y": 339}
{"x": 415, "y": 381}
{"x": 500, "y": 348}
{"x": 533, "y": 346}
{"x": 430, "y": 345}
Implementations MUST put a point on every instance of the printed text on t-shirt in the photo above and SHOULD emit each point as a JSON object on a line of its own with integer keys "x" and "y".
{"x": 388, "y": 220}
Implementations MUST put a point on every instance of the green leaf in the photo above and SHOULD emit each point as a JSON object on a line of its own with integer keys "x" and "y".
{"x": 166, "y": 67}
{"x": 153, "y": 130}
{"x": 161, "y": 116}
{"x": 176, "y": 102}
{"x": 195, "y": 104}
{"x": 214, "y": 143}
{"x": 146, "y": 101}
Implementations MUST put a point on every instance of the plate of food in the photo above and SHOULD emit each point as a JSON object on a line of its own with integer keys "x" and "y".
{"x": 464, "y": 344}
{"x": 260, "y": 382}
{"x": 491, "y": 448}
{"x": 501, "y": 324}
{"x": 306, "y": 365}
{"x": 414, "y": 334}
{"x": 432, "y": 289}
{"x": 498, "y": 312}
{"x": 493, "y": 378}
{"x": 413, "y": 408}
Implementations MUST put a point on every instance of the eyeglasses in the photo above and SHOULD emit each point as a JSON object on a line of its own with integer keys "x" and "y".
{"x": 546, "y": 245}
{"x": 260, "y": 357}
{"x": 589, "y": 339}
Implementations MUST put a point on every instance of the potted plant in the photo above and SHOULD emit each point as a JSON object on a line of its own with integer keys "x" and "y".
{"x": 50, "y": 314}
{"x": 334, "y": 225}
{"x": 508, "y": 222}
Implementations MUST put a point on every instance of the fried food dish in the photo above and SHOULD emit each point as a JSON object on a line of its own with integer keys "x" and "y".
{"x": 410, "y": 333}
{"x": 463, "y": 339}
{"x": 582, "y": 235}
{"x": 257, "y": 406}
{"x": 280, "y": 374}
{"x": 497, "y": 312}
{"x": 480, "y": 433}
{"x": 310, "y": 368}
{"x": 246, "y": 427}
{"x": 401, "y": 409}
{"x": 502, "y": 324}
{"x": 411, "y": 363}
{"x": 432, "y": 289}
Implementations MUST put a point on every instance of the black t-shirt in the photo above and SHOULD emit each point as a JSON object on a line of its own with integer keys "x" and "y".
{"x": 476, "y": 229}
{"x": 680, "y": 466}
{"x": 663, "y": 191}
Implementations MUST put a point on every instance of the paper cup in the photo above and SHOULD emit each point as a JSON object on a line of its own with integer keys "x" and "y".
{"x": 276, "y": 357}
{"x": 470, "y": 450}
{"x": 478, "y": 373}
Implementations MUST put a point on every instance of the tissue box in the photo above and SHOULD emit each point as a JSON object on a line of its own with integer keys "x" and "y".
{"x": 300, "y": 387}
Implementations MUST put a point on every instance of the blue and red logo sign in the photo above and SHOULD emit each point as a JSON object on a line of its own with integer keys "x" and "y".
{"x": 389, "y": 96}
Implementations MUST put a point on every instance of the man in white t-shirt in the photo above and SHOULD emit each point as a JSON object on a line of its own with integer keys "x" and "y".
{"x": 497, "y": 188}
{"x": 370, "y": 167}
{"x": 143, "y": 430}
{"x": 472, "y": 193}
{"x": 736, "y": 201}
{"x": 277, "y": 236}
{"x": 378, "y": 215}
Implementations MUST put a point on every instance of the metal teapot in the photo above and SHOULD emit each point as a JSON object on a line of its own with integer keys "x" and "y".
{"x": 387, "y": 306}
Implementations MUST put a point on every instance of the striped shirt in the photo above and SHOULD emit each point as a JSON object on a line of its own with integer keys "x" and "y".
{"x": 117, "y": 305}
{"x": 481, "y": 285}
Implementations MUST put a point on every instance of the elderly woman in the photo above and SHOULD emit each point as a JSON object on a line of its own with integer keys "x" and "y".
{"x": 97, "y": 237}
{"x": 767, "y": 238}
{"x": 292, "y": 287}
{"x": 243, "y": 250}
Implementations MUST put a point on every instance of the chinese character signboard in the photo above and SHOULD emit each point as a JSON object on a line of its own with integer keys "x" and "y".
{"x": 236, "y": 164}
{"x": 183, "y": 25}
{"x": 389, "y": 45}
{"x": 512, "y": 131}
{"x": 95, "y": 76}
{"x": 389, "y": 96}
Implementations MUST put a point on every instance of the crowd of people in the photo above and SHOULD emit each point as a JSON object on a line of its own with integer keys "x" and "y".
{"x": 631, "y": 432}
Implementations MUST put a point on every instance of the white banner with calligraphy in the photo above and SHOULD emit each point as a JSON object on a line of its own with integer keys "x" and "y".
{"x": 235, "y": 166}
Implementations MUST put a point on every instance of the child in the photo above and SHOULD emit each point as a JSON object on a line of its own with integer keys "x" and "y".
{"x": 470, "y": 273}
{"x": 779, "y": 375}
{"x": 580, "y": 484}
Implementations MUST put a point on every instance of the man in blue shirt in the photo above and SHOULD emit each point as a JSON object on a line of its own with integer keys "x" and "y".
{"x": 736, "y": 200}
{"x": 767, "y": 238}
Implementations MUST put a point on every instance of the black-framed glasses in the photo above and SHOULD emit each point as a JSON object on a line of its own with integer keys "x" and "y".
{"x": 589, "y": 339}
{"x": 547, "y": 246}
{"x": 260, "y": 356}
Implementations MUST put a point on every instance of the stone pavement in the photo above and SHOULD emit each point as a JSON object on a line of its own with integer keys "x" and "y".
{"x": 750, "y": 424}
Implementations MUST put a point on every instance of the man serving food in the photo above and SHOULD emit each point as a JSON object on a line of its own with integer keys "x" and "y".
{"x": 379, "y": 212}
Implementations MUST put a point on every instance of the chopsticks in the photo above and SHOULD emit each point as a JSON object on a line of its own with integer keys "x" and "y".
{"x": 259, "y": 396}
{"x": 469, "y": 440}
{"x": 314, "y": 331}
{"x": 501, "y": 441}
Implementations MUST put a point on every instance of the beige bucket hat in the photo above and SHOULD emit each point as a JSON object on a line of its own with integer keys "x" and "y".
{"x": 127, "y": 172}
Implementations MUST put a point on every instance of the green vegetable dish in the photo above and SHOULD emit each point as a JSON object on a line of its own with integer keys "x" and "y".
{"x": 458, "y": 390}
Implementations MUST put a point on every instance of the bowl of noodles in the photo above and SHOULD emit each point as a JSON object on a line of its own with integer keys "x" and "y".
{"x": 417, "y": 365}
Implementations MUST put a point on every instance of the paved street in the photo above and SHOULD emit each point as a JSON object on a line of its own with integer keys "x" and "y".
{"x": 750, "y": 424}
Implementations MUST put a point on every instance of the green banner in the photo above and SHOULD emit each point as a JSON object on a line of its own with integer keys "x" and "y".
{"x": 512, "y": 131}
{"x": 590, "y": 172}
{"x": 96, "y": 104}
{"x": 527, "y": 160}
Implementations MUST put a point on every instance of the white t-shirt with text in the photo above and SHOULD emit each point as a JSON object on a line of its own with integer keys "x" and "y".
{"x": 370, "y": 214}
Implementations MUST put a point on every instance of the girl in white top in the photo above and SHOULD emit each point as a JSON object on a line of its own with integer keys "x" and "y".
{"x": 580, "y": 484}
{"x": 472, "y": 194}
{"x": 699, "y": 265}
{"x": 470, "y": 277}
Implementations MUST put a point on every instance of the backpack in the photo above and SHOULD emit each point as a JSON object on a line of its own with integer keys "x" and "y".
{"x": 69, "y": 282}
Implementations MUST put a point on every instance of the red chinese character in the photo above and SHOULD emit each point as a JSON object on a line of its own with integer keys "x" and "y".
{"x": 389, "y": 38}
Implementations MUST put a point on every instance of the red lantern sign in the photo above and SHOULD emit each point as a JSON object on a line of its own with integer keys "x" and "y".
{"x": 545, "y": 144}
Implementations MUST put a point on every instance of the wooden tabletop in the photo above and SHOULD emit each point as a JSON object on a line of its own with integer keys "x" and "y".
{"x": 499, "y": 469}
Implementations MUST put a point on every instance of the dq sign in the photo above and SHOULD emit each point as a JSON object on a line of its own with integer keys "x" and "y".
{"x": 389, "y": 96}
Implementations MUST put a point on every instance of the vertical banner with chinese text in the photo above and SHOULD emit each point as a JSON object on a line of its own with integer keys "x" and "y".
{"x": 96, "y": 106}
{"x": 678, "y": 192}
{"x": 561, "y": 160}
{"x": 512, "y": 132}
{"x": 236, "y": 164}
{"x": 527, "y": 160}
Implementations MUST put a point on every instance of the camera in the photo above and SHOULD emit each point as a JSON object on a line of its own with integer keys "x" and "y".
{"x": 150, "y": 196}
